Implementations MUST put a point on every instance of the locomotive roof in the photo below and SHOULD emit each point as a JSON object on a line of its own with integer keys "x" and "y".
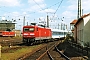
{"x": 36, "y": 26}
{"x": 58, "y": 30}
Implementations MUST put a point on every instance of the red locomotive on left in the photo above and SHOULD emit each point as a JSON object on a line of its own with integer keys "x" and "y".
{"x": 35, "y": 33}
{"x": 7, "y": 34}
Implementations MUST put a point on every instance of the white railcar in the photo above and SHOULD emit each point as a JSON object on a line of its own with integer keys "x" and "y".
{"x": 57, "y": 33}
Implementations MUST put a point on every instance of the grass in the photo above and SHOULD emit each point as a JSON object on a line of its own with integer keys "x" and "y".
{"x": 13, "y": 55}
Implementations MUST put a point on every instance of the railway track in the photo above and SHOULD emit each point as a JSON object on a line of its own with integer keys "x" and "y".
{"x": 53, "y": 53}
{"x": 47, "y": 53}
{"x": 37, "y": 53}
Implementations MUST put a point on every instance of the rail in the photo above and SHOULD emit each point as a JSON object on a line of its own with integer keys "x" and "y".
{"x": 45, "y": 52}
{"x": 67, "y": 58}
{"x": 51, "y": 58}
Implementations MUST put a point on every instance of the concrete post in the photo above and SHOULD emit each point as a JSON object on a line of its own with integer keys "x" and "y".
{"x": 0, "y": 51}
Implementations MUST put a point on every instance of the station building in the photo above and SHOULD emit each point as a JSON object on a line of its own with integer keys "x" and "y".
{"x": 4, "y": 25}
{"x": 72, "y": 26}
{"x": 82, "y": 30}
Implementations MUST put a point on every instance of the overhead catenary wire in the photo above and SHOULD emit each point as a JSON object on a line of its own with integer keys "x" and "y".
{"x": 58, "y": 7}
{"x": 44, "y": 8}
{"x": 49, "y": 6}
{"x": 38, "y": 5}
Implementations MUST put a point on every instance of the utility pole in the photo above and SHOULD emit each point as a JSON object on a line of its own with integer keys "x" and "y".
{"x": 58, "y": 25}
{"x": 0, "y": 51}
{"x": 24, "y": 21}
{"x": 61, "y": 26}
{"x": 47, "y": 21}
{"x": 82, "y": 12}
{"x": 79, "y": 9}
{"x": 27, "y": 23}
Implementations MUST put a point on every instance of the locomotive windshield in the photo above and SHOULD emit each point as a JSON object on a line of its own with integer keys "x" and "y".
{"x": 29, "y": 29}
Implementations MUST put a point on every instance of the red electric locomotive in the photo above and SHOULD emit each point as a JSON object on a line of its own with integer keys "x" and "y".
{"x": 34, "y": 33}
{"x": 7, "y": 33}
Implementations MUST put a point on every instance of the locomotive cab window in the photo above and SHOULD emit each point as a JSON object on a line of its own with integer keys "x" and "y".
{"x": 29, "y": 29}
{"x": 26, "y": 29}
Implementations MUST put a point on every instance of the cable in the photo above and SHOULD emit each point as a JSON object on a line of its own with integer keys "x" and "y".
{"x": 51, "y": 5}
{"x": 38, "y": 4}
{"x": 58, "y": 7}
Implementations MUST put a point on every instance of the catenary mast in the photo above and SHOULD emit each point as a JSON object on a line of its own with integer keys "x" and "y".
{"x": 79, "y": 9}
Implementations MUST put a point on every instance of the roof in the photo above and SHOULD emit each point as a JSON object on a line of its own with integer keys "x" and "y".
{"x": 58, "y": 30}
{"x": 5, "y": 21}
{"x": 73, "y": 22}
{"x": 85, "y": 15}
{"x": 82, "y": 18}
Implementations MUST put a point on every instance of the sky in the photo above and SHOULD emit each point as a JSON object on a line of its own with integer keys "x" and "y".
{"x": 37, "y": 11}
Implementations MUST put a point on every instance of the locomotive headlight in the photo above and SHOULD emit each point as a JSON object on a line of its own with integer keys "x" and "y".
{"x": 25, "y": 34}
{"x": 32, "y": 34}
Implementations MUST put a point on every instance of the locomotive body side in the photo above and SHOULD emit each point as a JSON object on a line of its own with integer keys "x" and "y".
{"x": 34, "y": 33}
{"x": 7, "y": 34}
{"x": 43, "y": 33}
